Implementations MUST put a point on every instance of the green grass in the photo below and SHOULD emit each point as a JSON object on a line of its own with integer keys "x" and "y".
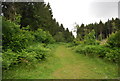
{"x": 40, "y": 70}
{"x": 64, "y": 63}
{"x": 76, "y": 66}
{"x": 99, "y": 68}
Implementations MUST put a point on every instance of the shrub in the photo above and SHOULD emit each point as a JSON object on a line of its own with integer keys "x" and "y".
{"x": 9, "y": 29}
{"x": 32, "y": 54}
{"x": 100, "y": 51}
{"x": 21, "y": 41}
{"x": 96, "y": 50}
{"x": 90, "y": 39}
{"x": 77, "y": 42}
{"x": 41, "y": 52}
{"x": 26, "y": 57}
{"x": 43, "y": 37}
{"x": 8, "y": 58}
{"x": 113, "y": 55}
{"x": 14, "y": 38}
{"x": 114, "y": 39}
{"x": 16, "y": 44}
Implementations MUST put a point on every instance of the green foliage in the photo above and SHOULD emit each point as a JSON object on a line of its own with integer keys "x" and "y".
{"x": 17, "y": 19}
{"x": 59, "y": 37}
{"x": 91, "y": 50}
{"x": 114, "y": 39}
{"x": 99, "y": 51}
{"x": 97, "y": 42}
{"x": 36, "y": 16}
{"x": 41, "y": 52}
{"x": 43, "y": 37}
{"x": 100, "y": 37}
{"x": 21, "y": 40}
{"x": 113, "y": 55}
{"x": 15, "y": 38}
{"x": 90, "y": 38}
{"x": 18, "y": 44}
{"x": 102, "y": 30}
{"x": 8, "y": 58}
{"x": 37, "y": 25}
{"x": 77, "y": 42}
{"x": 30, "y": 55}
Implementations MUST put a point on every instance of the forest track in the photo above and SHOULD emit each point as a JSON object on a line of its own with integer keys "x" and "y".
{"x": 65, "y": 63}
{"x": 76, "y": 67}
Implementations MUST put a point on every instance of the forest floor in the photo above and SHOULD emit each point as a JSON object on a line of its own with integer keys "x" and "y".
{"x": 66, "y": 64}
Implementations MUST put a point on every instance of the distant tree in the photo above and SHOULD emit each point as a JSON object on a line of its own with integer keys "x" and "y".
{"x": 90, "y": 38}
{"x": 59, "y": 37}
{"x": 68, "y": 35}
{"x": 102, "y": 30}
{"x": 117, "y": 23}
{"x": 100, "y": 26}
{"x": 114, "y": 39}
{"x": 80, "y": 32}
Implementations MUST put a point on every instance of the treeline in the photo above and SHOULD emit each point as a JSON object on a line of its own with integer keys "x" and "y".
{"x": 35, "y": 15}
{"x": 99, "y": 40}
{"x": 102, "y": 30}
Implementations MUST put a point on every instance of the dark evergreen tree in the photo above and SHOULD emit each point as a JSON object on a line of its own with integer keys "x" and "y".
{"x": 35, "y": 15}
{"x": 102, "y": 30}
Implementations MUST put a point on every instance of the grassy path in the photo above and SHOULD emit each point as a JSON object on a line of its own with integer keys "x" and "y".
{"x": 75, "y": 66}
{"x": 65, "y": 64}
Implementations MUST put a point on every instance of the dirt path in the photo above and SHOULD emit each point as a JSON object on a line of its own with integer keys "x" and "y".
{"x": 75, "y": 67}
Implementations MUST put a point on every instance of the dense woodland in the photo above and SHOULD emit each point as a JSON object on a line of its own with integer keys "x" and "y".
{"x": 102, "y": 30}
{"x": 34, "y": 16}
{"x": 29, "y": 33}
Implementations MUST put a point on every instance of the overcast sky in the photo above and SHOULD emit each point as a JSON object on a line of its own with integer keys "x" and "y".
{"x": 68, "y": 12}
